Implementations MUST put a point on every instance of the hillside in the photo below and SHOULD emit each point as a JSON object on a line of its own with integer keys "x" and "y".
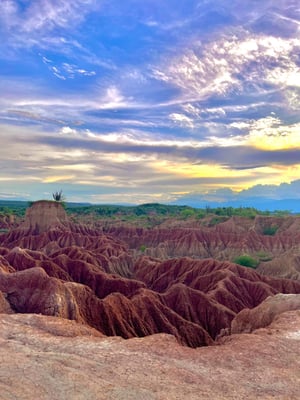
{"x": 104, "y": 278}
{"x": 73, "y": 286}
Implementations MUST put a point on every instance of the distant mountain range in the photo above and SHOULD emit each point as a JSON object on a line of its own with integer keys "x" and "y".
{"x": 292, "y": 205}
{"x": 285, "y": 196}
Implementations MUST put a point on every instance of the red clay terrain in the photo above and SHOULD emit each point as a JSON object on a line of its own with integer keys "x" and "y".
{"x": 49, "y": 358}
{"x": 53, "y": 267}
{"x": 277, "y": 254}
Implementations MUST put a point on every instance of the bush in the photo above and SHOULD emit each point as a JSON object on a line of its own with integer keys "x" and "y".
{"x": 217, "y": 220}
{"x": 143, "y": 248}
{"x": 246, "y": 261}
{"x": 200, "y": 214}
{"x": 188, "y": 213}
{"x": 58, "y": 196}
{"x": 270, "y": 230}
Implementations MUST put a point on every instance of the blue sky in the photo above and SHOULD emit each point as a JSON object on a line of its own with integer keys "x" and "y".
{"x": 138, "y": 101}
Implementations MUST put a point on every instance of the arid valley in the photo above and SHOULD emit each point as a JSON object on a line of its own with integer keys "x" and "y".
{"x": 149, "y": 200}
{"x": 156, "y": 307}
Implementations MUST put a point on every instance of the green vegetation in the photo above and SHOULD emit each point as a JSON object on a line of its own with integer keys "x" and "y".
{"x": 247, "y": 212}
{"x": 143, "y": 248}
{"x": 143, "y": 210}
{"x": 58, "y": 196}
{"x": 270, "y": 230}
{"x": 246, "y": 261}
{"x": 17, "y": 208}
{"x": 149, "y": 214}
{"x": 200, "y": 214}
{"x": 188, "y": 213}
{"x": 217, "y": 220}
{"x": 164, "y": 210}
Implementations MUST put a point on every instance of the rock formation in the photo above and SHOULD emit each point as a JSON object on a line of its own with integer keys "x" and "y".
{"x": 276, "y": 253}
{"x": 44, "y": 215}
{"x": 51, "y": 358}
{"x": 65, "y": 288}
{"x": 53, "y": 267}
{"x": 205, "y": 242}
{"x": 261, "y": 316}
{"x": 286, "y": 265}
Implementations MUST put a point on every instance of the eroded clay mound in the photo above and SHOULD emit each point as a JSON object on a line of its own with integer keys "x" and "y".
{"x": 43, "y": 215}
{"x": 8, "y": 222}
{"x": 262, "y": 315}
{"x": 52, "y": 358}
{"x": 284, "y": 266}
{"x": 78, "y": 273}
{"x": 273, "y": 242}
{"x": 191, "y": 299}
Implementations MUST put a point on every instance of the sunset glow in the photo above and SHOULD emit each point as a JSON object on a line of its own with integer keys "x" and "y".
{"x": 127, "y": 101}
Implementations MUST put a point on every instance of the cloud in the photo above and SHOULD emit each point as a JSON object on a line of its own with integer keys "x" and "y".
{"x": 67, "y": 71}
{"x": 244, "y": 62}
{"x": 271, "y": 134}
{"x": 135, "y": 161}
{"x": 66, "y": 130}
{"x": 182, "y": 120}
{"x": 44, "y": 15}
{"x": 135, "y": 97}
{"x": 278, "y": 192}
{"x": 234, "y": 157}
{"x": 48, "y": 25}
{"x": 9, "y": 11}
{"x": 265, "y": 196}
{"x": 96, "y": 104}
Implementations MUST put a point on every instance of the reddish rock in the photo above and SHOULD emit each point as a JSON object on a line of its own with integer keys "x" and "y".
{"x": 51, "y": 358}
{"x": 141, "y": 315}
{"x": 262, "y": 315}
{"x": 5, "y": 307}
{"x": 33, "y": 291}
{"x": 286, "y": 266}
{"x": 224, "y": 242}
{"x": 76, "y": 272}
{"x": 43, "y": 215}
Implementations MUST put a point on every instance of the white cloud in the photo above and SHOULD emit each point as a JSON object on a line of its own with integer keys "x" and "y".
{"x": 271, "y": 133}
{"x": 66, "y": 130}
{"x": 33, "y": 23}
{"x": 268, "y": 133}
{"x": 112, "y": 98}
{"x": 66, "y": 71}
{"x": 46, "y": 60}
{"x": 44, "y": 24}
{"x": 48, "y": 14}
{"x": 182, "y": 120}
{"x": 8, "y": 13}
{"x": 231, "y": 63}
{"x": 241, "y": 125}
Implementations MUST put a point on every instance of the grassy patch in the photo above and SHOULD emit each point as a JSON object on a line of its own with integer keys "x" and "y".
{"x": 270, "y": 230}
{"x": 246, "y": 261}
{"x": 217, "y": 220}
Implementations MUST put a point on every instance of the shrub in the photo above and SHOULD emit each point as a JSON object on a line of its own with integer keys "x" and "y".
{"x": 143, "y": 248}
{"x": 58, "y": 196}
{"x": 217, "y": 220}
{"x": 188, "y": 213}
{"x": 270, "y": 230}
{"x": 246, "y": 261}
{"x": 200, "y": 214}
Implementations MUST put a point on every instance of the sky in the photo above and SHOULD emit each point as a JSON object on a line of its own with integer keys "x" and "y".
{"x": 149, "y": 101}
